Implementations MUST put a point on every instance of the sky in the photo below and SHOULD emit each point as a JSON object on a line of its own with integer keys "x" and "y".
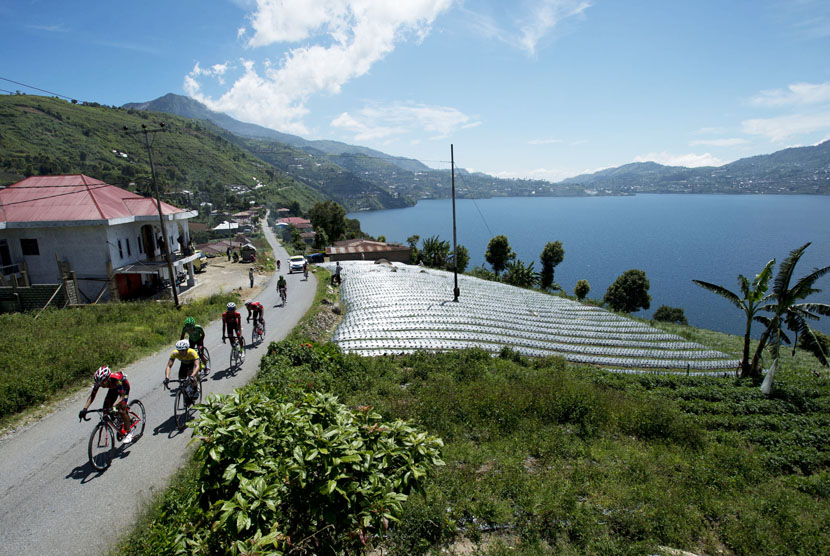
{"x": 544, "y": 89}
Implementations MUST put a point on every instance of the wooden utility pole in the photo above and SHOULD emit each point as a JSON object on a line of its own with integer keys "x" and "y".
{"x": 147, "y": 133}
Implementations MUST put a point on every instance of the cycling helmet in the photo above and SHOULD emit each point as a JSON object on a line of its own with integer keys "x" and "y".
{"x": 249, "y": 302}
{"x": 231, "y": 306}
{"x": 102, "y": 374}
{"x": 182, "y": 344}
{"x": 189, "y": 321}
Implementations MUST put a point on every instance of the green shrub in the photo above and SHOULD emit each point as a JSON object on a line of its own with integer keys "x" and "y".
{"x": 664, "y": 313}
{"x": 311, "y": 475}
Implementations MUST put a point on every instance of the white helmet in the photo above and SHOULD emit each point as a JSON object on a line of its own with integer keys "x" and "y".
{"x": 102, "y": 374}
{"x": 182, "y": 344}
{"x": 248, "y": 302}
{"x": 231, "y": 306}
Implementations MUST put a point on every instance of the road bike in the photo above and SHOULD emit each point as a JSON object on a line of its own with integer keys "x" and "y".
{"x": 188, "y": 394}
{"x": 283, "y": 295}
{"x": 108, "y": 430}
{"x": 204, "y": 355}
{"x": 237, "y": 352}
{"x": 258, "y": 332}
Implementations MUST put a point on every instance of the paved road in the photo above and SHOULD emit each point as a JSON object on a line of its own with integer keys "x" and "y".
{"x": 53, "y": 502}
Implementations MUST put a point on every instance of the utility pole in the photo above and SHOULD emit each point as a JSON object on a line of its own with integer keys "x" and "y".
{"x": 456, "y": 292}
{"x": 147, "y": 133}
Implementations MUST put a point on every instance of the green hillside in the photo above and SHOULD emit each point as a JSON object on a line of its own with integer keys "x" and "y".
{"x": 195, "y": 161}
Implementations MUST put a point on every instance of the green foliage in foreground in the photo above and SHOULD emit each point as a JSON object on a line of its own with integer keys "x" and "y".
{"x": 553, "y": 458}
{"x": 62, "y": 348}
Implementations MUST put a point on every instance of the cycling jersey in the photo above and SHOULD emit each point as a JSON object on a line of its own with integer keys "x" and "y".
{"x": 195, "y": 334}
{"x": 188, "y": 359}
{"x": 232, "y": 320}
{"x": 117, "y": 385}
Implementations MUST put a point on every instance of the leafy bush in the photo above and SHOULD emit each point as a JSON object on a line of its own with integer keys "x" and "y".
{"x": 311, "y": 475}
{"x": 664, "y": 313}
{"x": 582, "y": 288}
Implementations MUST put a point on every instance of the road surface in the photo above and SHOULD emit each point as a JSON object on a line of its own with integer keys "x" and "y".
{"x": 53, "y": 502}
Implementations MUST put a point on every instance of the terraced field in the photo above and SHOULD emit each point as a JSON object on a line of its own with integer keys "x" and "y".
{"x": 395, "y": 308}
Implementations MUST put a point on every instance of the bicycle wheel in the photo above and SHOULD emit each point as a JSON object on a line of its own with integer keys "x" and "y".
{"x": 206, "y": 356}
{"x": 137, "y": 412}
{"x": 101, "y": 446}
{"x": 181, "y": 409}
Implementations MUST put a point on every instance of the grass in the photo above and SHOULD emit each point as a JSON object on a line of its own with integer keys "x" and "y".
{"x": 547, "y": 457}
{"x": 62, "y": 348}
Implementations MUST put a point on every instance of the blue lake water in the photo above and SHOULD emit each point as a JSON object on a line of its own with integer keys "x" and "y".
{"x": 673, "y": 238}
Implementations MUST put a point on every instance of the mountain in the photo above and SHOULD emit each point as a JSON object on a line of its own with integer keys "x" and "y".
{"x": 190, "y": 108}
{"x": 195, "y": 162}
{"x": 794, "y": 170}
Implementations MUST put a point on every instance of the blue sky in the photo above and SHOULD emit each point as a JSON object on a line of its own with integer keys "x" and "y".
{"x": 527, "y": 88}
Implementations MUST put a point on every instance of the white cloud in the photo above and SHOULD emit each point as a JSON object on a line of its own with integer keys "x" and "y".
{"x": 342, "y": 39}
{"x": 535, "y": 20}
{"x": 544, "y": 141}
{"x": 783, "y": 127}
{"x": 380, "y": 122}
{"x": 797, "y": 94}
{"x": 690, "y": 160}
{"x": 730, "y": 142}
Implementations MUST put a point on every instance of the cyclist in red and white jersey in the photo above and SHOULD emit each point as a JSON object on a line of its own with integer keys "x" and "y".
{"x": 118, "y": 391}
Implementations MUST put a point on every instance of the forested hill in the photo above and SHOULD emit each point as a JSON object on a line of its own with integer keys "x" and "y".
{"x": 794, "y": 170}
{"x": 196, "y": 161}
{"x": 402, "y": 180}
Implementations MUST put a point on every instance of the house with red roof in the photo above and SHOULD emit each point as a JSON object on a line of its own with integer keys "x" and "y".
{"x": 110, "y": 239}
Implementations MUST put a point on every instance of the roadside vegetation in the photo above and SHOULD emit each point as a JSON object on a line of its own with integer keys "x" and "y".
{"x": 539, "y": 456}
{"x": 62, "y": 348}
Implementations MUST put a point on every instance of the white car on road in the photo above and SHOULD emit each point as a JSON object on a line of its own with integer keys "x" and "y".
{"x": 296, "y": 263}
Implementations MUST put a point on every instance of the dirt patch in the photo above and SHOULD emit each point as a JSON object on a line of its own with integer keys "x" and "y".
{"x": 221, "y": 276}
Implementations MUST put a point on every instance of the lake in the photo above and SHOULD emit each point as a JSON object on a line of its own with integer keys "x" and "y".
{"x": 673, "y": 238}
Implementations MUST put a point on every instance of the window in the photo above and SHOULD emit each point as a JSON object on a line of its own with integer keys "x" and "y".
{"x": 140, "y": 246}
{"x": 29, "y": 247}
{"x": 120, "y": 250}
{"x": 128, "y": 247}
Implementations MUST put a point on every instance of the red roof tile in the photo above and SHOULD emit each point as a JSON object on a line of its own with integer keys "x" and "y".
{"x": 73, "y": 198}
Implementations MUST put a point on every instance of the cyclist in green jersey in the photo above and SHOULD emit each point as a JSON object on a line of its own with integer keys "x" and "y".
{"x": 196, "y": 336}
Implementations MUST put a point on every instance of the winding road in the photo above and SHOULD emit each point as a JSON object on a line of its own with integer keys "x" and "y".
{"x": 53, "y": 502}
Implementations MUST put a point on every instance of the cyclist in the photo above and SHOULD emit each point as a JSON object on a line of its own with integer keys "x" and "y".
{"x": 282, "y": 286}
{"x": 305, "y": 269}
{"x": 278, "y": 264}
{"x": 256, "y": 310}
{"x": 118, "y": 391}
{"x": 232, "y": 322}
{"x": 190, "y": 363}
{"x": 196, "y": 335}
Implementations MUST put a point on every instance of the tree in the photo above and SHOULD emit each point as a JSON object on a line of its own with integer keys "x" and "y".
{"x": 434, "y": 252}
{"x": 463, "y": 259}
{"x": 413, "y": 247}
{"x": 382, "y": 239}
{"x": 330, "y": 216}
{"x": 664, "y": 313}
{"x": 629, "y": 292}
{"x": 552, "y": 255}
{"x": 321, "y": 240}
{"x": 499, "y": 253}
{"x": 754, "y": 297}
{"x": 582, "y": 288}
{"x": 786, "y": 311}
{"x": 517, "y": 274}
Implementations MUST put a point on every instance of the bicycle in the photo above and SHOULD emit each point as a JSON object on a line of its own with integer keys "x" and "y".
{"x": 186, "y": 398}
{"x": 283, "y": 295}
{"x": 103, "y": 437}
{"x": 204, "y": 355}
{"x": 258, "y": 332}
{"x": 237, "y": 353}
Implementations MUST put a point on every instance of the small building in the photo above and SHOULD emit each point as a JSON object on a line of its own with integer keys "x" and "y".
{"x": 109, "y": 240}
{"x": 367, "y": 250}
{"x": 301, "y": 224}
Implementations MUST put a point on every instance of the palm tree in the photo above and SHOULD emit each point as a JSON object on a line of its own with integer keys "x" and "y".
{"x": 521, "y": 275}
{"x": 787, "y": 311}
{"x": 754, "y": 296}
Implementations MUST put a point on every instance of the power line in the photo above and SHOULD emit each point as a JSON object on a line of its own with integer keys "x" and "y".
{"x": 35, "y": 88}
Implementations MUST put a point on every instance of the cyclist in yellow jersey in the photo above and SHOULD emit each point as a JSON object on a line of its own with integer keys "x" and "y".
{"x": 190, "y": 362}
